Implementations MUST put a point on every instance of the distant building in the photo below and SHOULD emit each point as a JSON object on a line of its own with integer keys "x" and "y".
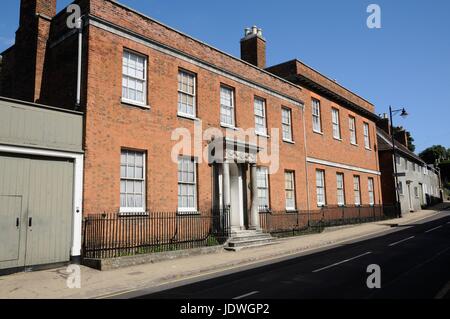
{"x": 419, "y": 184}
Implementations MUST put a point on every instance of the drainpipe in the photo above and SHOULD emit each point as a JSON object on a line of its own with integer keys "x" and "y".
{"x": 79, "y": 27}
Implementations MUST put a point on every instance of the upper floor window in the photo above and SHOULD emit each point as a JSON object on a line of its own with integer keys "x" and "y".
{"x": 227, "y": 116}
{"x": 357, "y": 190}
{"x": 263, "y": 188}
{"x": 186, "y": 94}
{"x": 132, "y": 182}
{"x": 260, "y": 116}
{"x": 289, "y": 187}
{"x": 320, "y": 187}
{"x": 352, "y": 126}
{"x": 317, "y": 124}
{"x": 340, "y": 189}
{"x": 371, "y": 191}
{"x": 366, "y": 136}
{"x": 336, "y": 124}
{"x": 187, "y": 184}
{"x": 286, "y": 121}
{"x": 134, "y": 78}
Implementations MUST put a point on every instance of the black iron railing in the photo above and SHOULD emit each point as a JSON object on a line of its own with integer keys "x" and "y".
{"x": 116, "y": 235}
{"x": 295, "y": 222}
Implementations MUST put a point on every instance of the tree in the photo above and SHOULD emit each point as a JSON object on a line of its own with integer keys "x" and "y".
{"x": 435, "y": 154}
{"x": 411, "y": 145}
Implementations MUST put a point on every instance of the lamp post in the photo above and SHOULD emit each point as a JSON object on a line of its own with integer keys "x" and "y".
{"x": 403, "y": 114}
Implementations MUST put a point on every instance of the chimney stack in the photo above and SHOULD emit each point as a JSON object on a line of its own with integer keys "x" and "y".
{"x": 253, "y": 47}
{"x": 384, "y": 124}
{"x": 31, "y": 46}
{"x": 402, "y": 137}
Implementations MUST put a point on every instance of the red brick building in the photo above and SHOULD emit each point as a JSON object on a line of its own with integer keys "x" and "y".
{"x": 142, "y": 80}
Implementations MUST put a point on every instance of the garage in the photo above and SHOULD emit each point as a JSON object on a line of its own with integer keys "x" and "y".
{"x": 40, "y": 186}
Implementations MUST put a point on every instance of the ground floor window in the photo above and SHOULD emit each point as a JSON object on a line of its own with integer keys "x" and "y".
{"x": 340, "y": 189}
{"x": 320, "y": 187}
{"x": 187, "y": 184}
{"x": 357, "y": 190}
{"x": 289, "y": 190}
{"x": 132, "y": 182}
{"x": 263, "y": 188}
{"x": 371, "y": 191}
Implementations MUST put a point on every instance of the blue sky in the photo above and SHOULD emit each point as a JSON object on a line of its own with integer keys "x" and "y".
{"x": 405, "y": 63}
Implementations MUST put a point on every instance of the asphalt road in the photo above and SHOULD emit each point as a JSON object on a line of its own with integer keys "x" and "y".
{"x": 414, "y": 263}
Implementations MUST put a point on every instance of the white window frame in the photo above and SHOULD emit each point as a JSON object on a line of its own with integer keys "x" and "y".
{"x": 366, "y": 135}
{"x": 371, "y": 189}
{"x": 352, "y": 128}
{"x": 286, "y": 125}
{"x": 401, "y": 191}
{"x": 321, "y": 188}
{"x": 144, "y": 80}
{"x": 291, "y": 175}
{"x": 357, "y": 190}
{"x": 316, "y": 116}
{"x": 265, "y": 171}
{"x": 126, "y": 209}
{"x": 182, "y": 74}
{"x": 260, "y": 130}
{"x": 335, "y": 119}
{"x": 187, "y": 209}
{"x": 416, "y": 192}
{"x": 232, "y": 107}
{"x": 340, "y": 190}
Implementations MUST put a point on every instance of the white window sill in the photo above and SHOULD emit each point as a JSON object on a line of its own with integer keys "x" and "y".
{"x": 188, "y": 117}
{"x": 188, "y": 211}
{"x": 134, "y": 103}
{"x": 132, "y": 212}
{"x": 262, "y": 134}
{"x": 354, "y": 144}
{"x": 318, "y": 132}
{"x": 288, "y": 141}
{"x": 368, "y": 149}
{"x": 231, "y": 127}
{"x": 337, "y": 139}
{"x": 291, "y": 210}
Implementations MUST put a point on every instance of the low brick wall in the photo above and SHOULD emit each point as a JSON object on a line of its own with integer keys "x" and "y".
{"x": 128, "y": 261}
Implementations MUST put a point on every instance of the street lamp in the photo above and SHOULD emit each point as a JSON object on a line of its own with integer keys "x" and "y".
{"x": 403, "y": 114}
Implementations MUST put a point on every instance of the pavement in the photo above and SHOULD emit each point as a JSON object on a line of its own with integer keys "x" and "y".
{"x": 145, "y": 280}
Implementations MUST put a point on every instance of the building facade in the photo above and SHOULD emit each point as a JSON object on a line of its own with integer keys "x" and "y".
{"x": 173, "y": 124}
{"x": 418, "y": 184}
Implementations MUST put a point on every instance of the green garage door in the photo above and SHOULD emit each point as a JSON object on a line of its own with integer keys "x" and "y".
{"x": 36, "y": 205}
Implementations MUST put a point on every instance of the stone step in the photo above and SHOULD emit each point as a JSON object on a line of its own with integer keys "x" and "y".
{"x": 250, "y": 237}
{"x": 249, "y": 242}
{"x": 235, "y": 249}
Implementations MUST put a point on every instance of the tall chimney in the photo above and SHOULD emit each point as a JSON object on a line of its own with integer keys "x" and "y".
{"x": 253, "y": 47}
{"x": 30, "y": 47}
{"x": 402, "y": 137}
{"x": 384, "y": 124}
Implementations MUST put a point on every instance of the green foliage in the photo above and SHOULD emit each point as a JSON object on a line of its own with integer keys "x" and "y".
{"x": 435, "y": 154}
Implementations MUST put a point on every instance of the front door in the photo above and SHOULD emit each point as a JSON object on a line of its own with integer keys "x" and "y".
{"x": 237, "y": 191}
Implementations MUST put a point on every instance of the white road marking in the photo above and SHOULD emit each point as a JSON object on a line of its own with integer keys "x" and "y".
{"x": 342, "y": 262}
{"x": 432, "y": 229}
{"x": 443, "y": 292}
{"x": 246, "y": 295}
{"x": 401, "y": 241}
